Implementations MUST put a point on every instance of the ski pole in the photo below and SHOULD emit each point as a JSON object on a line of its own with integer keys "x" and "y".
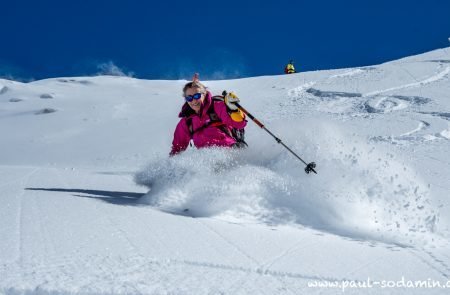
{"x": 309, "y": 167}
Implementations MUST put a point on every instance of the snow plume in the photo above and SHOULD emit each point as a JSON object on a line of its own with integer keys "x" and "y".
{"x": 218, "y": 72}
{"x": 365, "y": 190}
{"x": 13, "y": 73}
{"x": 360, "y": 191}
{"x": 212, "y": 182}
{"x": 110, "y": 69}
{"x": 216, "y": 64}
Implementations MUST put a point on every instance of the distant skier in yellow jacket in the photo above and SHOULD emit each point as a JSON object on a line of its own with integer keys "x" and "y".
{"x": 289, "y": 69}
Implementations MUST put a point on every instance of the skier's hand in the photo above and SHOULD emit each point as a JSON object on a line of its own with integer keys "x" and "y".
{"x": 230, "y": 100}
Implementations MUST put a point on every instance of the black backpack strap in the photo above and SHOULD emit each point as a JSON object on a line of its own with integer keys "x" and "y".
{"x": 213, "y": 117}
{"x": 211, "y": 112}
{"x": 190, "y": 129}
{"x": 189, "y": 125}
{"x": 218, "y": 98}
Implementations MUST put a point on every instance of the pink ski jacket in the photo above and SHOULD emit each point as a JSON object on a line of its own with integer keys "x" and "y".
{"x": 204, "y": 135}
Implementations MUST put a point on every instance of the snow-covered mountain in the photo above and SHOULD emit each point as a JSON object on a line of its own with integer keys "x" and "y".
{"x": 92, "y": 204}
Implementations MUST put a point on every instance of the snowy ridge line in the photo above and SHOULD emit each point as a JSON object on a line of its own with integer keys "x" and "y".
{"x": 431, "y": 79}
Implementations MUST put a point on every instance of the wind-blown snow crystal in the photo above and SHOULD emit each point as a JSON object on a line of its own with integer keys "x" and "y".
{"x": 359, "y": 191}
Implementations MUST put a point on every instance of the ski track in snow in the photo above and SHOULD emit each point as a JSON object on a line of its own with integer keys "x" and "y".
{"x": 433, "y": 78}
{"x": 422, "y": 125}
{"x": 147, "y": 264}
{"x": 259, "y": 267}
{"x": 440, "y": 266}
{"x": 375, "y": 102}
{"x": 307, "y": 88}
{"x": 20, "y": 217}
{"x": 410, "y": 136}
{"x": 348, "y": 73}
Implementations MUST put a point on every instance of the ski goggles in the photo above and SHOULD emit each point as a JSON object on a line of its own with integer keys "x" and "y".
{"x": 190, "y": 98}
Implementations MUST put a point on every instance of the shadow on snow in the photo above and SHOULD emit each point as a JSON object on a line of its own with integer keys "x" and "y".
{"x": 112, "y": 197}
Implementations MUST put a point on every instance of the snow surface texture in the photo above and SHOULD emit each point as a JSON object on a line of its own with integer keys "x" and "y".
{"x": 92, "y": 204}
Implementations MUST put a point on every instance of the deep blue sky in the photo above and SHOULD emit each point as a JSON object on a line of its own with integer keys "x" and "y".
{"x": 219, "y": 39}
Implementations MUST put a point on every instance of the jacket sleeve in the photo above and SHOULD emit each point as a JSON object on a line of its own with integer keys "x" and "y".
{"x": 181, "y": 138}
{"x": 221, "y": 110}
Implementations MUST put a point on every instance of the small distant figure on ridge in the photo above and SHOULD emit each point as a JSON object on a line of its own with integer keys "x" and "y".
{"x": 289, "y": 69}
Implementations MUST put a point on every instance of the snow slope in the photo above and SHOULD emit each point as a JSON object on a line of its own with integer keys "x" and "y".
{"x": 91, "y": 204}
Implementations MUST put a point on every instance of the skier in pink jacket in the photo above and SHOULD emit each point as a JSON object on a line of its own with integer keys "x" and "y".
{"x": 208, "y": 121}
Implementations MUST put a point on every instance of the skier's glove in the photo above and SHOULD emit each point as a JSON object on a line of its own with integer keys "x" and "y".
{"x": 230, "y": 100}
